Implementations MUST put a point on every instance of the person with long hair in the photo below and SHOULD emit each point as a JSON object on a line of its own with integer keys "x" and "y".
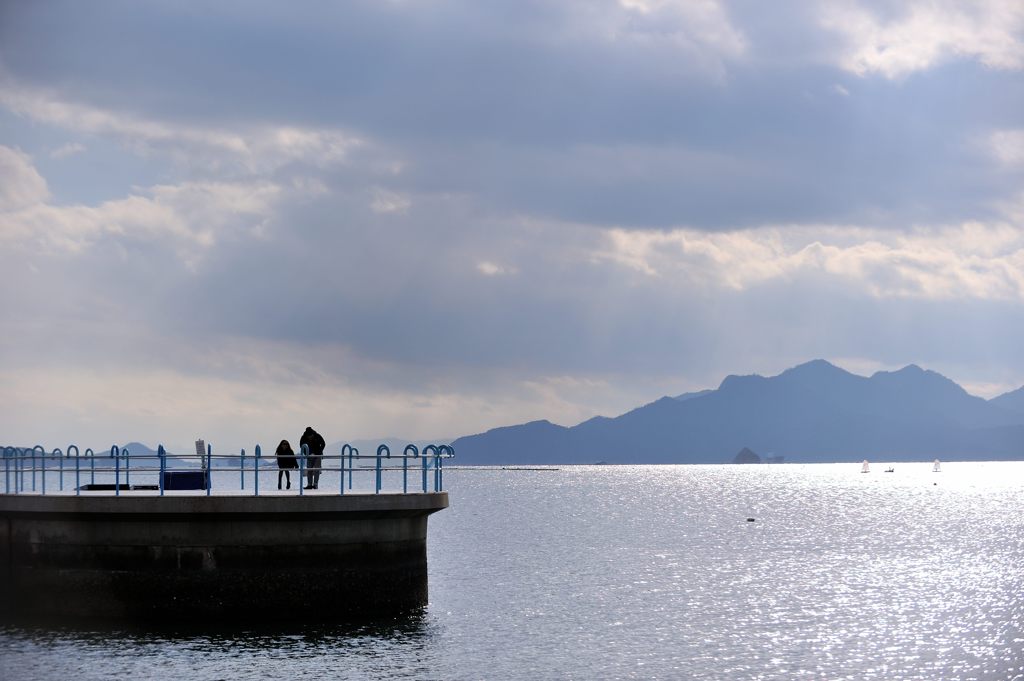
{"x": 286, "y": 461}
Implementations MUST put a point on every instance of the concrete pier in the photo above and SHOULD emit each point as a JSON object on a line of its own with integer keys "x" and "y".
{"x": 226, "y": 558}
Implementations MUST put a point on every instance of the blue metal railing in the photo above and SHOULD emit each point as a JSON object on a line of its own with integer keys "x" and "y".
{"x": 26, "y": 470}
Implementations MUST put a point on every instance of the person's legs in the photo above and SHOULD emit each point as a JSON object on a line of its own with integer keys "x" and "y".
{"x": 288, "y": 479}
{"x": 279, "y": 479}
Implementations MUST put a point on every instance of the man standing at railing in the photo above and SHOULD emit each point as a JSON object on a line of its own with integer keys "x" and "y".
{"x": 315, "y": 445}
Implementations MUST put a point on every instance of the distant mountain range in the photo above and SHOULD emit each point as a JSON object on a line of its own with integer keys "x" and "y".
{"x": 815, "y": 412}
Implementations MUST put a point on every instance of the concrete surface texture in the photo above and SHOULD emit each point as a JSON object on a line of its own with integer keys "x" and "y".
{"x": 322, "y": 558}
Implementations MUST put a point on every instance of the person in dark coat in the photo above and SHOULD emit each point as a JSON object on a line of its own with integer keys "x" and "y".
{"x": 315, "y": 444}
{"x": 285, "y": 462}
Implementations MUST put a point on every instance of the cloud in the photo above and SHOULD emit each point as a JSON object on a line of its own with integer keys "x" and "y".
{"x": 700, "y": 29}
{"x": 21, "y": 184}
{"x": 919, "y": 35}
{"x": 189, "y": 217}
{"x": 385, "y": 201}
{"x": 971, "y": 261}
{"x": 432, "y": 218}
{"x": 253, "y": 148}
{"x": 1008, "y": 146}
{"x": 69, "y": 149}
{"x": 491, "y": 269}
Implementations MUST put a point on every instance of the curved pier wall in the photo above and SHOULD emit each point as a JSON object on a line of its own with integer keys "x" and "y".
{"x": 312, "y": 558}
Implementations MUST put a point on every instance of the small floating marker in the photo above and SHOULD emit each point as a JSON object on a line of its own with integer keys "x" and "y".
{"x": 750, "y": 520}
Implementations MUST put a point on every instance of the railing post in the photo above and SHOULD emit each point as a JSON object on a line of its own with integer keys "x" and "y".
{"x": 303, "y": 453}
{"x": 115, "y": 452}
{"x": 405, "y": 465}
{"x": 8, "y": 452}
{"x": 92, "y": 465}
{"x": 426, "y": 464}
{"x": 387, "y": 452}
{"x": 43, "y": 460}
{"x": 440, "y": 465}
{"x": 256, "y": 473}
{"x": 352, "y": 452}
{"x": 127, "y": 467}
{"x": 40, "y": 448}
{"x": 341, "y": 468}
{"x": 241, "y": 468}
{"x": 162, "y": 454}
{"x": 70, "y": 447}
{"x": 209, "y": 467}
{"x": 78, "y": 478}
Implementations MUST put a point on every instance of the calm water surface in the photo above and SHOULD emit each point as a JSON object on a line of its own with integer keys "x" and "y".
{"x": 654, "y": 572}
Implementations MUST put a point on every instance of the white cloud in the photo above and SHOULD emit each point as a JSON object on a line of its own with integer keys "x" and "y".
{"x": 21, "y": 184}
{"x": 190, "y": 216}
{"x": 700, "y": 29}
{"x": 925, "y": 34}
{"x": 69, "y": 149}
{"x": 1008, "y": 146}
{"x": 970, "y": 261}
{"x": 255, "y": 149}
{"x": 385, "y": 201}
{"x": 491, "y": 269}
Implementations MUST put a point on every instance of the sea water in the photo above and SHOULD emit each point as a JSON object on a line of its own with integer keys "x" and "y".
{"x": 608, "y": 572}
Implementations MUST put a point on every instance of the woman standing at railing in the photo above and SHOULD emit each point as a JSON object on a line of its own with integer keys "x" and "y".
{"x": 285, "y": 463}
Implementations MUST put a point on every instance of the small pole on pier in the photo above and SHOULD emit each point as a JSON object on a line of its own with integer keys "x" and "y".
{"x": 426, "y": 463}
{"x": 256, "y": 473}
{"x": 7, "y": 471}
{"x": 341, "y": 468}
{"x": 116, "y": 453}
{"x": 78, "y": 479}
{"x": 387, "y": 453}
{"x": 60, "y": 478}
{"x": 70, "y": 447}
{"x": 162, "y": 453}
{"x": 209, "y": 467}
{"x": 241, "y": 468}
{"x": 405, "y": 465}
{"x": 440, "y": 465}
{"x": 127, "y": 468}
{"x": 92, "y": 465}
{"x": 40, "y": 448}
{"x": 352, "y": 452}
{"x": 43, "y": 460}
{"x": 303, "y": 453}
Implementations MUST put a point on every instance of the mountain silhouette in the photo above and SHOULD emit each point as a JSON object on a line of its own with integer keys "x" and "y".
{"x": 1011, "y": 401}
{"x": 813, "y": 412}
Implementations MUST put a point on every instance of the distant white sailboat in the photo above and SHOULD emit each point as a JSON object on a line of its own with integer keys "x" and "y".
{"x": 864, "y": 467}
{"x": 936, "y": 468}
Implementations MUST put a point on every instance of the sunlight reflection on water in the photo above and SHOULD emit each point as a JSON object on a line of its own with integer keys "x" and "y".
{"x": 654, "y": 572}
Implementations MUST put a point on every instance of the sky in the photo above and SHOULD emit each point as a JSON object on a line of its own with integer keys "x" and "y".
{"x": 428, "y": 218}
